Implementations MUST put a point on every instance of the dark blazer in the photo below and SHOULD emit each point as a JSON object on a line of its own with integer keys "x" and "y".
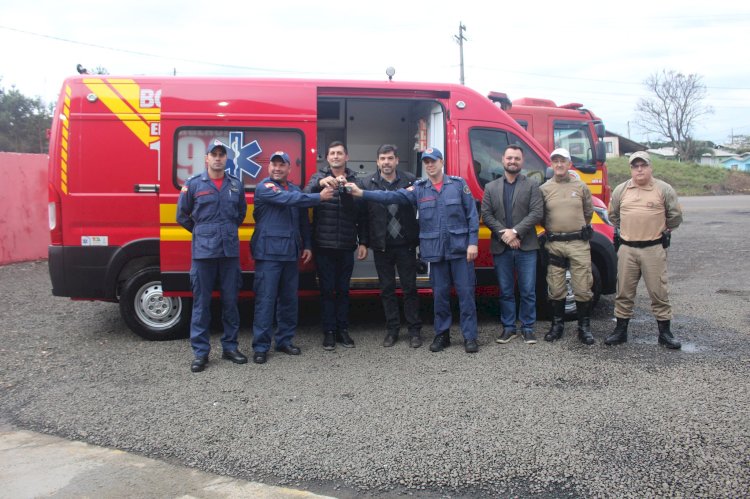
{"x": 528, "y": 208}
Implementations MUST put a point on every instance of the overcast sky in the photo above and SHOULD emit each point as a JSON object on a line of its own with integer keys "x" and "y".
{"x": 594, "y": 52}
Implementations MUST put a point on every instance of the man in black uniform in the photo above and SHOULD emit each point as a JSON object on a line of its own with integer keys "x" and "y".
{"x": 394, "y": 236}
{"x": 339, "y": 228}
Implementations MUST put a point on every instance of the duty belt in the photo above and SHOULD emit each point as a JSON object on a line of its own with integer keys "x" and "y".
{"x": 564, "y": 236}
{"x": 641, "y": 244}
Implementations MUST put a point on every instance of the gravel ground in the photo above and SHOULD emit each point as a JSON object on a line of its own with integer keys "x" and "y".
{"x": 546, "y": 420}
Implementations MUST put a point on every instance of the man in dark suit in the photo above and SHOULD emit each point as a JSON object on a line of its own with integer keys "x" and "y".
{"x": 511, "y": 207}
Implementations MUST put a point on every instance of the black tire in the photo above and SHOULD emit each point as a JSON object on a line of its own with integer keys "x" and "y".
{"x": 544, "y": 309}
{"x": 150, "y": 314}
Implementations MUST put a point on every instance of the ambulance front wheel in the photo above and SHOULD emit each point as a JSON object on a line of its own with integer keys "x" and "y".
{"x": 149, "y": 313}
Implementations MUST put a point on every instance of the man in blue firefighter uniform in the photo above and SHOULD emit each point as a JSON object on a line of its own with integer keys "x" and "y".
{"x": 448, "y": 237}
{"x": 281, "y": 237}
{"x": 212, "y": 206}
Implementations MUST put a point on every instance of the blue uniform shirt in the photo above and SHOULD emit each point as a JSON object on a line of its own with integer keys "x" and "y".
{"x": 448, "y": 219}
{"x": 212, "y": 215}
{"x": 282, "y": 228}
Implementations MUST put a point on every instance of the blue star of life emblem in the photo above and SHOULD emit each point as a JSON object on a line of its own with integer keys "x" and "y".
{"x": 240, "y": 156}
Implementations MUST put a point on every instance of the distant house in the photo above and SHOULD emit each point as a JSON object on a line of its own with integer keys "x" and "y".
{"x": 665, "y": 153}
{"x": 739, "y": 163}
{"x": 617, "y": 145}
{"x": 716, "y": 157}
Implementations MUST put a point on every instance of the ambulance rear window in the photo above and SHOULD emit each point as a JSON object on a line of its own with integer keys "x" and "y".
{"x": 249, "y": 152}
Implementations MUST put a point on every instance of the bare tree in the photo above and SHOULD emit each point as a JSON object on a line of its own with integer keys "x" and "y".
{"x": 674, "y": 108}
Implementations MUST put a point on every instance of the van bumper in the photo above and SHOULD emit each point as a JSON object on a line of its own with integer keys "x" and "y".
{"x": 78, "y": 272}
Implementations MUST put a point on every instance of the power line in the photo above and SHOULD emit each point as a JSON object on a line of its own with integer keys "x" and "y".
{"x": 157, "y": 56}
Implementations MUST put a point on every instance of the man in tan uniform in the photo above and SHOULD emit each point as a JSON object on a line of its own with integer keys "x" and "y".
{"x": 567, "y": 218}
{"x": 645, "y": 210}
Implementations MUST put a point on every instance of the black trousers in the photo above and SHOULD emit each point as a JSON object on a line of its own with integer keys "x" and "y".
{"x": 403, "y": 259}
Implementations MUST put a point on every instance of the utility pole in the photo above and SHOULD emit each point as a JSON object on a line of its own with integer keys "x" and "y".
{"x": 460, "y": 39}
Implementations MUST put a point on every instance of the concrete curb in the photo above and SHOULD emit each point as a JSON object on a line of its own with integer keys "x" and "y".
{"x": 34, "y": 465}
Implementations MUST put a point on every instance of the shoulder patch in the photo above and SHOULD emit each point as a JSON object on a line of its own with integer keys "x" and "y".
{"x": 184, "y": 188}
{"x": 466, "y": 189}
{"x": 410, "y": 188}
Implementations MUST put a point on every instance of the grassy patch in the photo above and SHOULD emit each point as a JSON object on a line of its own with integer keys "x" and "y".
{"x": 688, "y": 179}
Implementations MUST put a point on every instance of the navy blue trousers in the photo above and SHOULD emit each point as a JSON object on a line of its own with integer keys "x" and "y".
{"x": 276, "y": 285}
{"x": 203, "y": 274}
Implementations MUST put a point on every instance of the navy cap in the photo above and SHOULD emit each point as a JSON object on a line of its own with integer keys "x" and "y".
{"x": 281, "y": 154}
{"x": 432, "y": 153}
{"x": 214, "y": 144}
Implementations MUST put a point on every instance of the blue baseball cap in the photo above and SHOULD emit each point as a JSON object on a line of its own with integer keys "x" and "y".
{"x": 432, "y": 153}
{"x": 214, "y": 144}
{"x": 281, "y": 154}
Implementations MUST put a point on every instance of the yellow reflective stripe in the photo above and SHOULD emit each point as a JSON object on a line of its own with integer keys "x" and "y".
{"x": 177, "y": 233}
{"x": 131, "y": 116}
{"x": 65, "y": 122}
{"x": 168, "y": 214}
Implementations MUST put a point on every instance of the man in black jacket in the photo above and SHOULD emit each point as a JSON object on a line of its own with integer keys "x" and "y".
{"x": 339, "y": 227}
{"x": 393, "y": 237}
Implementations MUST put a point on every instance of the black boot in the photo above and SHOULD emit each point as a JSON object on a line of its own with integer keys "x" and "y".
{"x": 440, "y": 342}
{"x": 558, "y": 321}
{"x": 584, "y": 322}
{"x": 665, "y": 336}
{"x": 620, "y": 334}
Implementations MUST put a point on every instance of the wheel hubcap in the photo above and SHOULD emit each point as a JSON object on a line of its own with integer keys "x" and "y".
{"x": 155, "y": 309}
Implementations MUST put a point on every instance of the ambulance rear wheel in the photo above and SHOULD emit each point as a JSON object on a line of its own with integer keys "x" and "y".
{"x": 150, "y": 314}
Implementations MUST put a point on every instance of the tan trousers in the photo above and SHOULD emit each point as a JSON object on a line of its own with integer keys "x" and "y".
{"x": 651, "y": 263}
{"x": 581, "y": 279}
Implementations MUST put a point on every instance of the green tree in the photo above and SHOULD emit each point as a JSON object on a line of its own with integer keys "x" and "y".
{"x": 24, "y": 122}
{"x": 673, "y": 109}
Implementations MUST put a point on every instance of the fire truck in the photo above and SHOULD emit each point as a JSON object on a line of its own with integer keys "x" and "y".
{"x": 571, "y": 126}
{"x": 122, "y": 147}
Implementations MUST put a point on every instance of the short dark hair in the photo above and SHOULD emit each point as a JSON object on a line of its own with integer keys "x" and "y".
{"x": 336, "y": 143}
{"x": 514, "y": 146}
{"x": 386, "y": 148}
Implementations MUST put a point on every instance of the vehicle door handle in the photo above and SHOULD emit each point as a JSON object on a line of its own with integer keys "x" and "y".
{"x": 151, "y": 188}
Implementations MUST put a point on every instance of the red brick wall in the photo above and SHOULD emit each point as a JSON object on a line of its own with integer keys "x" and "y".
{"x": 24, "y": 227}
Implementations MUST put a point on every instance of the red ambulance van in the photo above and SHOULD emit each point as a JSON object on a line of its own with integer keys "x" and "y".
{"x": 121, "y": 148}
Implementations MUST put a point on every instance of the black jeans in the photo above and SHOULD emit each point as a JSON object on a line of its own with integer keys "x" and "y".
{"x": 387, "y": 262}
{"x": 335, "y": 269}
